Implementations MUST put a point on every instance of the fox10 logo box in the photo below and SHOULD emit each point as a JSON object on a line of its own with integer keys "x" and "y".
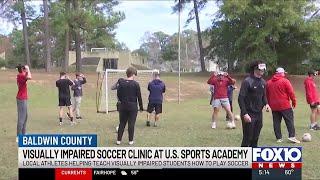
{"x": 281, "y": 163}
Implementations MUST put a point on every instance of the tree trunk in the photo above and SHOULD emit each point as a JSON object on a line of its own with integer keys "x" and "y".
{"x": 230, "y": 65}
{"x": 47, "y": 36}
{"x": 66, "y": 51}
{"x": 67, "y": 39}
{"x": 77, "y": 39}
{"x": 25, "y": 34}
{"x": 78, "y": 50}
{"x": 203, "y": 66}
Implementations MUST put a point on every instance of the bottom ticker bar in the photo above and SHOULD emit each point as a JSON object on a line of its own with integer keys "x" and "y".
{"x": 97, "y": 174}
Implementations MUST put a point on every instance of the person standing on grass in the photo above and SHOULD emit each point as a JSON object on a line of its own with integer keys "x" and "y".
{"x": 156, "y": 89}
{"x": 63, "y": 85}
{"x": 24, "y": 74}
{"x": 252, "y": 99}
{"x": 128, "y": 94}
{"x": 231, "y": 88}
{"x": 279, "y": 94}
{"x": 312, "y": 98}
{"x": 77, "y": 93}
{"x": 220, "y": 95}
{"x": 113, "y": 88}
{"x": 211, "y": 88}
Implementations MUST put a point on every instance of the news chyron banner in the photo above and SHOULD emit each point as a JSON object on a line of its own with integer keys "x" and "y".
{"x": 62, "y": 157}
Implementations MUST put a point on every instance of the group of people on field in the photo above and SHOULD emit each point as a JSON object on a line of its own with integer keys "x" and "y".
{"x": 128, "y": 93}
{"x": 129, "y": 97}
{"x": 277, "y": 95}
{"x": 63, "y": 85}
{"x": 64, "y": 98}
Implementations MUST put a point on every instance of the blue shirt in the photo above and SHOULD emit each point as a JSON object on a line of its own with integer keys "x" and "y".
{"x": 156, "y": 88}
{"x": 77, "y": 87}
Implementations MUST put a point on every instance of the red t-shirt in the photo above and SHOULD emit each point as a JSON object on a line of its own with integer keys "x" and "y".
{"x": 220, "y": 86}
{"x": 22, "y": 86}
{"x": 311, "y": 91}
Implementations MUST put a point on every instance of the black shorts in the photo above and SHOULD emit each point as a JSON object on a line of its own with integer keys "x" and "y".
{"x": 64, "y": 102}
{"x": 314, "y": 106}
{"x": 156, "y": 107}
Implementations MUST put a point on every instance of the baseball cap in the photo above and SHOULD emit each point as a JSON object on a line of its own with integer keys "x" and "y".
{"x": 280, "y": 70}
{"x": 312, "y": 72}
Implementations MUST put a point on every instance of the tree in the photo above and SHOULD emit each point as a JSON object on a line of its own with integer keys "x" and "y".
{"x": 76, "y": 30}
{"x": 93, "y": 17}
{"x": 67, "y": 36}
{"x": 47, "y": 36}
{"x": 151, "y": 46}
{"x": 18, "y": 12}
{"x": 60, "y": 17}
{"x": 121, "y": 47}
{"x": 223, "y": 36}
{"x": 198, "y": 5}
{"x": 162, "y": 49}
{"x": 275, "y": 31}
{"x": 94, "y": 23}
{"x": 16, "y": 57}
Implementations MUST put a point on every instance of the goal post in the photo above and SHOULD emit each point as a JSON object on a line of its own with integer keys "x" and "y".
{"x": 106, "y": 97}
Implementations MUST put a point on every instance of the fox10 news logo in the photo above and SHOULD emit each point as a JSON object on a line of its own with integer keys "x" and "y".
{"x": 277, "y": 161}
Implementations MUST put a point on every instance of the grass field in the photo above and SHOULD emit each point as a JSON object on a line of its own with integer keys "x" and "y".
{"x": 185, "y": 124}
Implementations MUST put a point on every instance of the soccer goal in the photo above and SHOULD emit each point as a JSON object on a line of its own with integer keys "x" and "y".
{"x": 106, "y": 97}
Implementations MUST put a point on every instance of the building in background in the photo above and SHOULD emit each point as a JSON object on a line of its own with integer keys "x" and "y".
{"x": 103, "y": 59}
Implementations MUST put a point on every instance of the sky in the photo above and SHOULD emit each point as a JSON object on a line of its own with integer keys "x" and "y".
{"x": 143, "y": 16}
{"x": 152, "y": 16}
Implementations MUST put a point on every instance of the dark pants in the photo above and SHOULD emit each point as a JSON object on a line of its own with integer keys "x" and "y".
{"x": 251, "y": 131}
{"x": 22, "y": 108}
{"x": 130, "y": 117}
{"x": 231, "y": 107}
{"x": 288, "y": 117}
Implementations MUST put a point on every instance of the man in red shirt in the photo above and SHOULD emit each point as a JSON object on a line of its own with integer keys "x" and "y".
{"x": 22, "y": 96}
{"x": 220, "y": 96}
{"x": 312, "y": 98}
{"x": 279, "y": 93}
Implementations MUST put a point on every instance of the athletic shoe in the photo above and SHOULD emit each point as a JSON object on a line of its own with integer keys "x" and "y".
{"x": 73, "y": 123}
{"x": 233, "y": 125}
{"x": 148, "y": 123}
{"x": 79, "y": 117}
{"x": 131, "y": 142}
{"x": 293, "y": 139}
{"x": 315, "y": 127}
{"x": 229, "y": 125}
{"x": 214, "y": 125}
{"x": 118, "y": 142}
{"x": 279, "y": 140}
{"x": 60, "y": 123}
{"x": 155, "y": 124}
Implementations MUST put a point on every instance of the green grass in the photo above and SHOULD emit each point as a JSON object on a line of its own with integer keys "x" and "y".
{"x": 185, "y": 124}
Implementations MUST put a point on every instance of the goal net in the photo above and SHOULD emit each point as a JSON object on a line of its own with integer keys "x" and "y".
{"x": 106, "y": 97}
